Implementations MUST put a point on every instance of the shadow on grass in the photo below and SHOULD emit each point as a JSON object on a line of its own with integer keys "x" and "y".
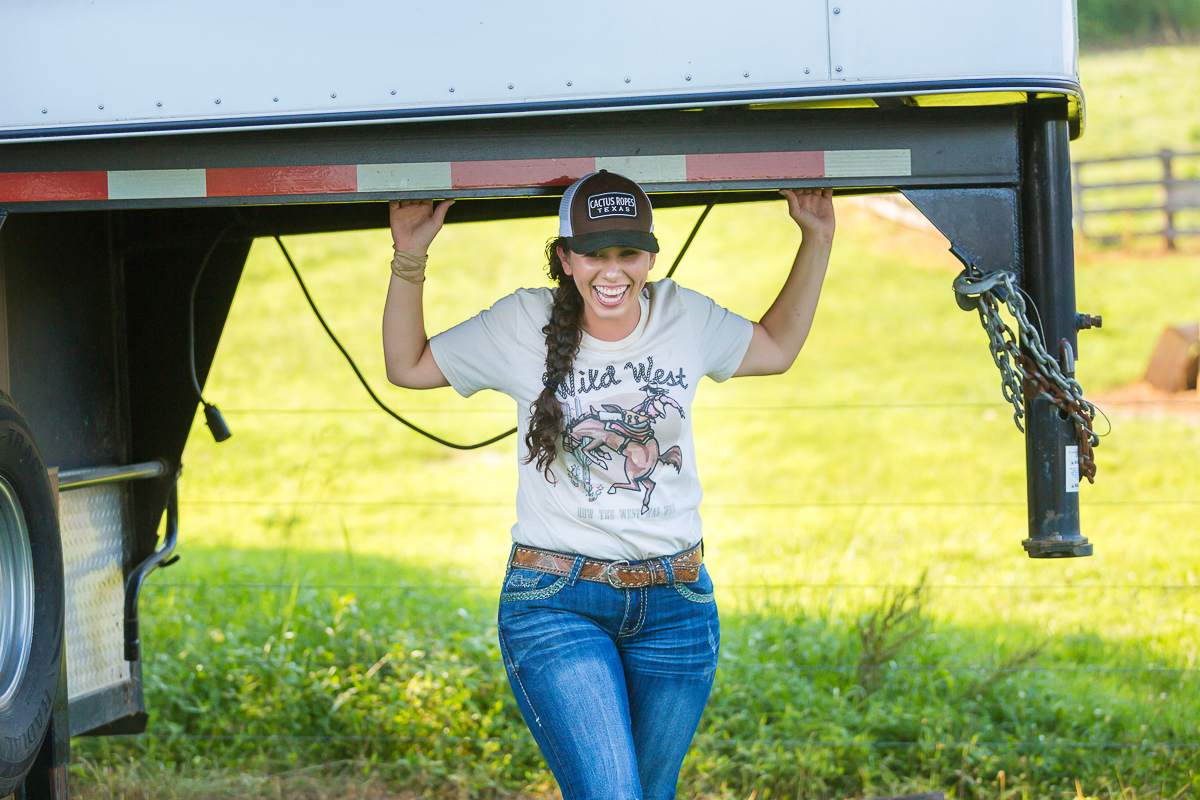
{"x": 389, "y": 671}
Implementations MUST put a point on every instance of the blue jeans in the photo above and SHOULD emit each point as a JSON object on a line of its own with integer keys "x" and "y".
{"x": 611, "y": 682}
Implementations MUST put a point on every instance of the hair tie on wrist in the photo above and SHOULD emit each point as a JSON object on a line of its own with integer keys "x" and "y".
{"x": 409, "y": 267}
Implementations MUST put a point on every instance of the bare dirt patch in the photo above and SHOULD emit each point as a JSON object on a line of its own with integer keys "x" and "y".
{"x": 898, "y": 227}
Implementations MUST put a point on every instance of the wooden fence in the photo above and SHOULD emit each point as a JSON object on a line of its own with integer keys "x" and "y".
{"x": 1131, "y": 196}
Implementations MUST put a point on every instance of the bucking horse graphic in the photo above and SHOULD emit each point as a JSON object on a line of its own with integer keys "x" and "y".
{"x": 627, "y": 432}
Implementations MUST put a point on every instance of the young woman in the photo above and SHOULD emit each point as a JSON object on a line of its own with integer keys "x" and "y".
{"x": 607, "y": 626}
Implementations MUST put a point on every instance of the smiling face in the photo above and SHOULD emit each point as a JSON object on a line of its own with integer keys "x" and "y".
{"x": 609, "y": 281}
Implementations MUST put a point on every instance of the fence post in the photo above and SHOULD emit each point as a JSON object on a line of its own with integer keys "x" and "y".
{"x": 1169, "y": 190}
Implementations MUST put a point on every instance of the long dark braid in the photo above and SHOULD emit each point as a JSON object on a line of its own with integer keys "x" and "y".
{"x": 563, "y": 332}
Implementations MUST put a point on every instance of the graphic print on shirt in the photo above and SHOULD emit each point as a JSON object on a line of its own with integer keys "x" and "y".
{"x": 617, "y": 439}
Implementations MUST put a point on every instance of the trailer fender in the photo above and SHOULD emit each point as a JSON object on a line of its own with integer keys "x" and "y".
{"x": 31, "y": 598}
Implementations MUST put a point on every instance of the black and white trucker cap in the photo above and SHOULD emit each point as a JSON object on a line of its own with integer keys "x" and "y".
{"x": 605, "y": 209}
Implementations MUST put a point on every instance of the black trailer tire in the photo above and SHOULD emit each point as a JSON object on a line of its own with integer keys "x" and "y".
{"x": 31, "y": 598}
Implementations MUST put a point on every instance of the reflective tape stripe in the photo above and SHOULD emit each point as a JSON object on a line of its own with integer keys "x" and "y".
{"x": 755, "y": 166}
{"x": 253, "y": 181}
{"x": 446, "y": 175}
{"x": 867, "y": 163}
{"x": 39, "y": 187}
{"x": 647, "y": 169}
{"x": 520, "y": 172}
{"x": 145, "y": 184}
{"x": 403, "y": 177}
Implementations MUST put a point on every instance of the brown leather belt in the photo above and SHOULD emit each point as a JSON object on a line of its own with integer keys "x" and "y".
{"x": 619, "y": 574}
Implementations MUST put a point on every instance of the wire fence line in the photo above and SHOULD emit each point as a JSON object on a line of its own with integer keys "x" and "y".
{"x": 425, "y": 664}
{"x": 711, "y": 505}
{"x": 743, "y": 586}
{"x": 738, "y": 408}
{"x": 986, "y": 668}
{"x": 699, "y": 739}
{"x": 985, "y": 404}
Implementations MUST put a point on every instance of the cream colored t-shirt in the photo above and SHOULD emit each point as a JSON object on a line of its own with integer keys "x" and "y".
{"x": 626, "y": 469}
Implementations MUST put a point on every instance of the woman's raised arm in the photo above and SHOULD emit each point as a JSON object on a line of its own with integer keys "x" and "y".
{"x": 406, "y": 352}
{"x": 781, "y": 332}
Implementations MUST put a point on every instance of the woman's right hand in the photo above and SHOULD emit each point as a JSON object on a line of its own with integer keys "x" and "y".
{"x": 415, "y": 223}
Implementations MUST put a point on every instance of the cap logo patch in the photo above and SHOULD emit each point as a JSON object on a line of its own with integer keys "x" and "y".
{"x": 612, "y": 204}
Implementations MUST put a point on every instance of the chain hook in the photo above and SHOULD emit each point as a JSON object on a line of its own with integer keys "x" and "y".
{"x": 1037, "y": 373}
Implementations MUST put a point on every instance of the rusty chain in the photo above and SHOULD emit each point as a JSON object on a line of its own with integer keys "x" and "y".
{"x": 1030, "y": 374}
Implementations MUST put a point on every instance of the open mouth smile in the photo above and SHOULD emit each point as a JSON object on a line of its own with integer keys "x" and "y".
{"x": 610, "y": 296}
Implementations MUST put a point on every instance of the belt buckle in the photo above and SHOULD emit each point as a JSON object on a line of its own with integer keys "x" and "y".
{"x": 612, "y": 579}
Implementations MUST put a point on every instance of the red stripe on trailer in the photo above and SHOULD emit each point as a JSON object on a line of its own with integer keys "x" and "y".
{"x": 44, "y": 187}
{"x": 753, "y": 166}
{"x": 342, "y": 178}
{"x": 519, "y": 172}
{"x": 252, "y": 181}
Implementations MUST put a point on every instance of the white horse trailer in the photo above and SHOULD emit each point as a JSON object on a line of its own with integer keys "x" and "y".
{"x": 142, "y": 144}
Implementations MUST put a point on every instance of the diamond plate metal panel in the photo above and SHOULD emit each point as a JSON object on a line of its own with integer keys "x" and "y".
{"x": 93, "y": 521}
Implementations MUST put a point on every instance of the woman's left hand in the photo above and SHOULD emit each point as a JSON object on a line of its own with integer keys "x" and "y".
{"x": 812, "y": 209}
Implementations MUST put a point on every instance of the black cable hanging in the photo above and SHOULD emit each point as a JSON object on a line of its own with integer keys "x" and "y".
{"x": 312, "y": 304}
{"x": 212, "y": 415}
{"x": 692, "y": 235}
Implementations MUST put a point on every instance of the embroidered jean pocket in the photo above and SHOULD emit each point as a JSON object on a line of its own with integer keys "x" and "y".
{"x": 701, "y": 591}
{"x": 528, "y": 584}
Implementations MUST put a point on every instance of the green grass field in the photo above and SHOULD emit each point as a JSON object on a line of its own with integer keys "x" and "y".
{"x": 1138, "y": 102}
{"x": 329, "y": 631}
